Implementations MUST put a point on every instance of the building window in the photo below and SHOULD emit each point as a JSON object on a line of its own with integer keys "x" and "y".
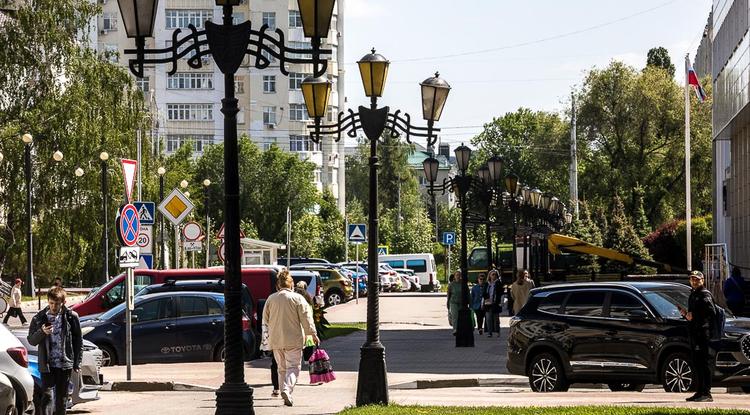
{"x": 269, "y": 19}
{"x": 269, "y": 84}
{"x": 199, "y": 141}
{"x": 143, "y": 84}
{"x": 109, "y": 21}
{"x": 295, "y": 80}
{"x": 112, "y": 52}
{"x": 332, "y": 114}
{"x": 191, "y": 80}
{"x": 295, "y": 19}
{"x": 239, "y": 84}
{"x": 297, "y": 112}
{"x": 300, "y": 45}
{"x": 300, "y": 143}
{"x": 190, "y": 112}
{"x": 269, "y": 116}
{"x": 268, "y": 142}
{"x": 180, "y": 19}
{"x": 238, "y": 18}
{"x": 266, "y": 54}
{"x": 317, "y": 176}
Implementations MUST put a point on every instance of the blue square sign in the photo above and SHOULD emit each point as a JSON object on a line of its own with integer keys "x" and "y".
{"x": 146, "y": 212}
{"x": 357, "y": 232}
{"x": 449, "y": 238}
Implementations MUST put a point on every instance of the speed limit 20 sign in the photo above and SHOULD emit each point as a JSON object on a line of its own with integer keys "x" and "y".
{"x": 145, "y": 239}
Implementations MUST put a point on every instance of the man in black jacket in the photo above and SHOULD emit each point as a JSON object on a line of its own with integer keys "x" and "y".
{"x": 700, "y": 315}
{"x": 56, "y": 331}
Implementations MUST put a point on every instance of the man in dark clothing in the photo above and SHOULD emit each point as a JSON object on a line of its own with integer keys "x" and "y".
{"x": 700, "y": 315}
{"x": 56, "y": 331}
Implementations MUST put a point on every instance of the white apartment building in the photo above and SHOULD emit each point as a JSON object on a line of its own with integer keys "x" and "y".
{"x": 272, "y": 109}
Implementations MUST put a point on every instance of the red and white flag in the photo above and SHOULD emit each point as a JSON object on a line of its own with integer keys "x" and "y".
{"x": 695, "y": 83}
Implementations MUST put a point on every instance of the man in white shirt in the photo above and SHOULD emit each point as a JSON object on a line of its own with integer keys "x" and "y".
{"x": 290, "y": 321}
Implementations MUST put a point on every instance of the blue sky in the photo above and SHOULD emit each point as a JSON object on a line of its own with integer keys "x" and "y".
{"x": 528, "y": 53}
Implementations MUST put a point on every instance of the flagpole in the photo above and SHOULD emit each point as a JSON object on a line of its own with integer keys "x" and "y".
{"x": 688, "y": 209}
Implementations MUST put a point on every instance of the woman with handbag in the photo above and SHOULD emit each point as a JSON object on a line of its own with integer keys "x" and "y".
{"x": 492, "y": 305}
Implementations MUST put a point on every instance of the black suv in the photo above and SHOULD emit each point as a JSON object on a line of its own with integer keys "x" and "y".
{"x": 622, "y": 334}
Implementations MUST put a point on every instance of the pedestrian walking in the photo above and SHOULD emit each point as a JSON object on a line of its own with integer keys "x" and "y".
{"x": 301, "y": 289}
{"x": 290, "y": 320}
{"x": 734, "y": 292}
{"x": 56, "y": 331}
{"x": 478, "y": 294}
{"x": 14, "y": 307}
{"x": 492, "y": 305}
{"x": 454, "y": 300}
{"x": 701, "y": 315}
{"x": 520, "y": 289}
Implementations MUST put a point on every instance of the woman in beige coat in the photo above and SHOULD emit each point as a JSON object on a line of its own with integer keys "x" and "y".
{"x": 519, "y": 290}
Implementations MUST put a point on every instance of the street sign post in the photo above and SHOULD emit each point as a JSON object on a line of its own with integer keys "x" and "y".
{"x": 192, "y": 231}
{"x": 193, "y": 246}
{"x": 128, "y": 174}
{"x": 357, "y": 232}
{"x": 176, "y": 207}
{"x": 145, "y": 239}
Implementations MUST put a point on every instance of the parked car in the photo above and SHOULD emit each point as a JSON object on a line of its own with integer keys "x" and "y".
{"x": 337, "y": 287}
{"x": 313, "y": 281}
{"x": 395, "y": 280}
{"x": 359, "y": 275}
{"x": 408, "y": 275}
{"x": 14, "y": 364}
{"x": 177, "y": 326}
{"x": 7, "y": 396}
{"x": 386, "y": 274}
{"x": 624, "y": 334}
{"x": 301, "y": 260}
{"x": 85, "y": 385}
{"x": 260, "y": 281}
{"x": 423, "y": 265}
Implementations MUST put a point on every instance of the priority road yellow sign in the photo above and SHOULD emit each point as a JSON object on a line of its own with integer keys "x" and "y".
{"x": 176, "y": 207}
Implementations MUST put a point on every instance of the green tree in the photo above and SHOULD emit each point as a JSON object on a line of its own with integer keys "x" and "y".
{"x": 586, "y": 229}
{"x": 659, "y": 57}
{"x": 332, "y": 237}
{"x": 621, "y": 236}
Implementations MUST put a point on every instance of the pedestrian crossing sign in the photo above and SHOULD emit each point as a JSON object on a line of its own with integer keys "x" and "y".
{"x": 146, "y": 212}
{"x": 382, "y": 250}
{"x": 357, "y": 232}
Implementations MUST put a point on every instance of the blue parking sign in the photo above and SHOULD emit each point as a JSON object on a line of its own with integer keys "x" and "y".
{"x": 449, "y": 238}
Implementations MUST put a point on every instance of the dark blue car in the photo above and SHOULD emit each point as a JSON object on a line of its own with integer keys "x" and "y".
{"x": 167, "y": 327}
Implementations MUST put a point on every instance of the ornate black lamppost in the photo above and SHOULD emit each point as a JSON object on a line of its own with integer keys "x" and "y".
{"x": 372, "y": 385}
{"x": 460, "y": 184}
{"x": 228, "y": 44}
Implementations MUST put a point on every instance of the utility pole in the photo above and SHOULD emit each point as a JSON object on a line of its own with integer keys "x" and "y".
{"x": 573, "y": 160}
{"x": 138, "y": 142}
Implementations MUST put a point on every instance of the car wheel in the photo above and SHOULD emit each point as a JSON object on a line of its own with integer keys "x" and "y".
{"x": 546, "y": 374}
{"x": 109, "y": 357}
{"x": 220, "y": 353}
{"x": 626, "y": 387}
{"x": 333, "y": 298}
{"x": 677, "y": 373}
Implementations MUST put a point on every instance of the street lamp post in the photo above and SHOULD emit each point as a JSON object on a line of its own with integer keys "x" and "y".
{"x": 28, "y": 140}
{"x": 207, "y": 183}
{"x": 162, "y": 253}
{"x": 228, "y": 44}
{"x": 461, "y": 184}
{"x": 104, "y": 156}
{"x": 372, "y": 385}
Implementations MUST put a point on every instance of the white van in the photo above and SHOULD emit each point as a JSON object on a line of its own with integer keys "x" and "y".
{"x": 423, "y": 266}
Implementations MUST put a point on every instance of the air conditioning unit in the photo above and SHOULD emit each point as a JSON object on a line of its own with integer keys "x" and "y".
{"x": 271, "y": 125}
{"x": 104, "y": 31}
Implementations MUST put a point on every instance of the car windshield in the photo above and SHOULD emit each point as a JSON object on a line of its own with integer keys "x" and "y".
{"x": 112, "y": 312}
{"x": 92, "y": 292}
{"x": 666, "y": 300}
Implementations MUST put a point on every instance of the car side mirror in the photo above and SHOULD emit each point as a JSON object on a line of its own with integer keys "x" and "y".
{"x": 134, "y": 318}
{"x": 638, "y": 315}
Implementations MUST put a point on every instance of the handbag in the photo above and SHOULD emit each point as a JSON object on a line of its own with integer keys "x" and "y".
{"x": 264, "y": 338}
{"x": 309, "y": 348}
{"x": 321, "y": 370}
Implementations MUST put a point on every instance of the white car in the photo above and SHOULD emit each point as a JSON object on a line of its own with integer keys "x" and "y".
{"x": 14, "y": 363}
{"x": 7, "y": 396}
{"x": 411, "y": 281}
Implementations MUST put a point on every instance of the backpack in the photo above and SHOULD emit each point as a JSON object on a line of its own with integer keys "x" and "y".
{"x": 717, "y": 325}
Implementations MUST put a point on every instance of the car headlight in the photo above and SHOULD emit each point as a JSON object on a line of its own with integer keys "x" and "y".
{"x": 86, "y": 330}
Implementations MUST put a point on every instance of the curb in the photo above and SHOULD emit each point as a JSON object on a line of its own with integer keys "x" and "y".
{"x": 143, "y": 386}
{"x": 511, "y": 381}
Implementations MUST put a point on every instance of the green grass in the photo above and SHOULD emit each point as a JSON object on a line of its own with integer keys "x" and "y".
{"x": 563, "y": 410}
{"x": 343, "y": 329}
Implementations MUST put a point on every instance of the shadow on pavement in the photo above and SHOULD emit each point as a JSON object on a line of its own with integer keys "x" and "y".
{"x": 420, "y": 351}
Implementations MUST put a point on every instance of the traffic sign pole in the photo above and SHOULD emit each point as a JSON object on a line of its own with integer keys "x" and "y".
{"x": 356, "y": 289}
{"x": 129, "y": 324}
